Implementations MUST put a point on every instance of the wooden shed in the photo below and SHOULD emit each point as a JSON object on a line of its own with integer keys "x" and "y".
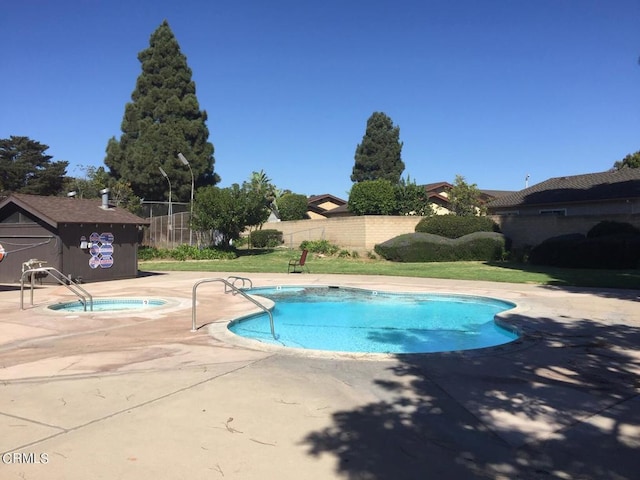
{"x": 88, "y": 240}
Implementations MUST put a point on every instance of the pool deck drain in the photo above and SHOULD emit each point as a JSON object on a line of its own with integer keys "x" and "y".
{"x": 137, "y": 395}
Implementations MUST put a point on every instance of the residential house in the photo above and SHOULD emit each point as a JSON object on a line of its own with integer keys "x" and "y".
{"x": 569, "y": 204}
{"x": 439, "y": 195}
{"x": 326, "y": 206}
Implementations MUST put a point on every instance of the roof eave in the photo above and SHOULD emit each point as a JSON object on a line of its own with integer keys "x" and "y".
{"x": 28, "y": 208}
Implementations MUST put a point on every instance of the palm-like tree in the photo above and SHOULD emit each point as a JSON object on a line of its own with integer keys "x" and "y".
{"x": 260, "y": 183}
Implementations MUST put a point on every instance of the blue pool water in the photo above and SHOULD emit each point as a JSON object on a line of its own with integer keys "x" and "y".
{"x": 109, "y": 304}
{"x": 354, "y": 320}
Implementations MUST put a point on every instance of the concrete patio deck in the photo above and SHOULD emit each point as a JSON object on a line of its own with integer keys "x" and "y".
{"x": 139, "y": 396}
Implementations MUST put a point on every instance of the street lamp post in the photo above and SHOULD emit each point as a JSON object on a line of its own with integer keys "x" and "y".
{"x": 186, "y": 162}
{"x": 169, "y": 223}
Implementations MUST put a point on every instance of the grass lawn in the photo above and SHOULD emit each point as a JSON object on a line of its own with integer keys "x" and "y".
{"x": 275, "y": 261}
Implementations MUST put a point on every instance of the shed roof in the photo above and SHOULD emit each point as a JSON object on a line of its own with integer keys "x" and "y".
{"x": 56, "y": 210}
{"x": 589, "y": 187}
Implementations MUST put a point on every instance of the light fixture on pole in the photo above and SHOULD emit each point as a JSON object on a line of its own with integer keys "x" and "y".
{"x": 186, "y": 162}
{"x": 169, "y": 226}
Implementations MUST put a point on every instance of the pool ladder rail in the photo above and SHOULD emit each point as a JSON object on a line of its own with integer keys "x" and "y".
{"x": 229, "y": 287}
{"x": 85, "y": 297}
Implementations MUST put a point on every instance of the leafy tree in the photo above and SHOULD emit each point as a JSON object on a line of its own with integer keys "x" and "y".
{"x": 261, "y": 196}
{"x": 373, "y": 197}
{"x": 292, "y": 206}
{"x": 379, "y": 154}
{"x": 219, "y": 209}
{"x": 228, "y": 210}
{"x": 411, "y": 199}
{"x": 465, "y": 198}
{"x": 630, "y": 161}
{"x": 256, "y": 212}
{"x": 24, "y": 168}
{"x": 95, "y": 180}
{"x": 162, "y": 120}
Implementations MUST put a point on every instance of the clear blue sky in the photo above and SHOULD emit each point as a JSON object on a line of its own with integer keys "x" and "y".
{"x": 492, "y": 90}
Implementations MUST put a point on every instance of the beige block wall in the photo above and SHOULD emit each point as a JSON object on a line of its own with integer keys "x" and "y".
{"x": 359, "y": 233}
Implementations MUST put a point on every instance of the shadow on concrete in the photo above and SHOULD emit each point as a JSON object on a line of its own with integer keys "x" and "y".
{"x": 12, "y": 288}
{"x": 615, "y": 293}
{"x": 605, "y": 281}
{"x": 143, "y": 273}
{"x": 563, "y": 405}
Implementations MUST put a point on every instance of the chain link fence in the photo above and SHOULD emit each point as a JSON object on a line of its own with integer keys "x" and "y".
{"x": 167, "y": 231}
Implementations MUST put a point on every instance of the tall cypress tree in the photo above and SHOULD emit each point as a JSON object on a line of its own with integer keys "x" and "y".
{"x": 162, "y": 120}
{"x": 25, "y": 168}
{"x": 379, "y": 154}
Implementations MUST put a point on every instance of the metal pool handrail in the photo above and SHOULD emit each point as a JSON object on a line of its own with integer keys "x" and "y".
{"x": 60, "y": 277}
{"x": 235, "y": 279}
{"x": 233, "y": 288}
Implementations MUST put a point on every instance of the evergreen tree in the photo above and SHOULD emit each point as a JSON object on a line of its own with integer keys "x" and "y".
{"x": 24, "y": 168}
{"x": 162, "y": 120}
{"x": 379, "y": 154}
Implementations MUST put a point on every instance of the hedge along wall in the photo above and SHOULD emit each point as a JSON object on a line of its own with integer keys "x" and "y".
{"x": 531, "y": 230}
{"x": 359, "y": 233}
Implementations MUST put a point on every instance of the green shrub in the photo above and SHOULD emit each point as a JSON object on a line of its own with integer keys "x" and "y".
{"x": 147, "y": 253}
{"x": 426, "y": 247}
{"x": 185, "y": 252}
{"x": 241, "y": 242}
{"x": 608, "y": 227}
{"x": 372, "y": 197}
{"x": 319, "y": 246}
{"x": 153, "y": 253}
{"x": 293, "y": 206}
{"x": 266, "y": 238}
{"x": 454, "y": 226}
{"x": 556, "y": 251}
{"x": 191, "y": 252}
{"x": 519, "y": 254}
{"x": 618, "y": 251}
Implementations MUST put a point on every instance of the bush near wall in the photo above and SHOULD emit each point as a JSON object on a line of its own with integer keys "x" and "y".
{"x": 426, "y": 247}
{"x": 185, "y": 252}
{"x": 319, "y": 246}
{"x": 454, "y": 226}
{"x": 608, "y": 227}
{"x": 616, "y": 251}
{"x": 267, "y": 238}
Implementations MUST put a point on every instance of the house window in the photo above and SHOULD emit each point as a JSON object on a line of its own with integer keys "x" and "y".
{"x": 559, "y": 212}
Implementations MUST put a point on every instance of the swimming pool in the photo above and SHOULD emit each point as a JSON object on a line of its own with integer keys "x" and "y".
{"x": 356, "y": 320}
{"x": 109, "y": 304}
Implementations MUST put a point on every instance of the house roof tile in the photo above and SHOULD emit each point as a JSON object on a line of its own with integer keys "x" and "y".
{"x": 611, "y": 185}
